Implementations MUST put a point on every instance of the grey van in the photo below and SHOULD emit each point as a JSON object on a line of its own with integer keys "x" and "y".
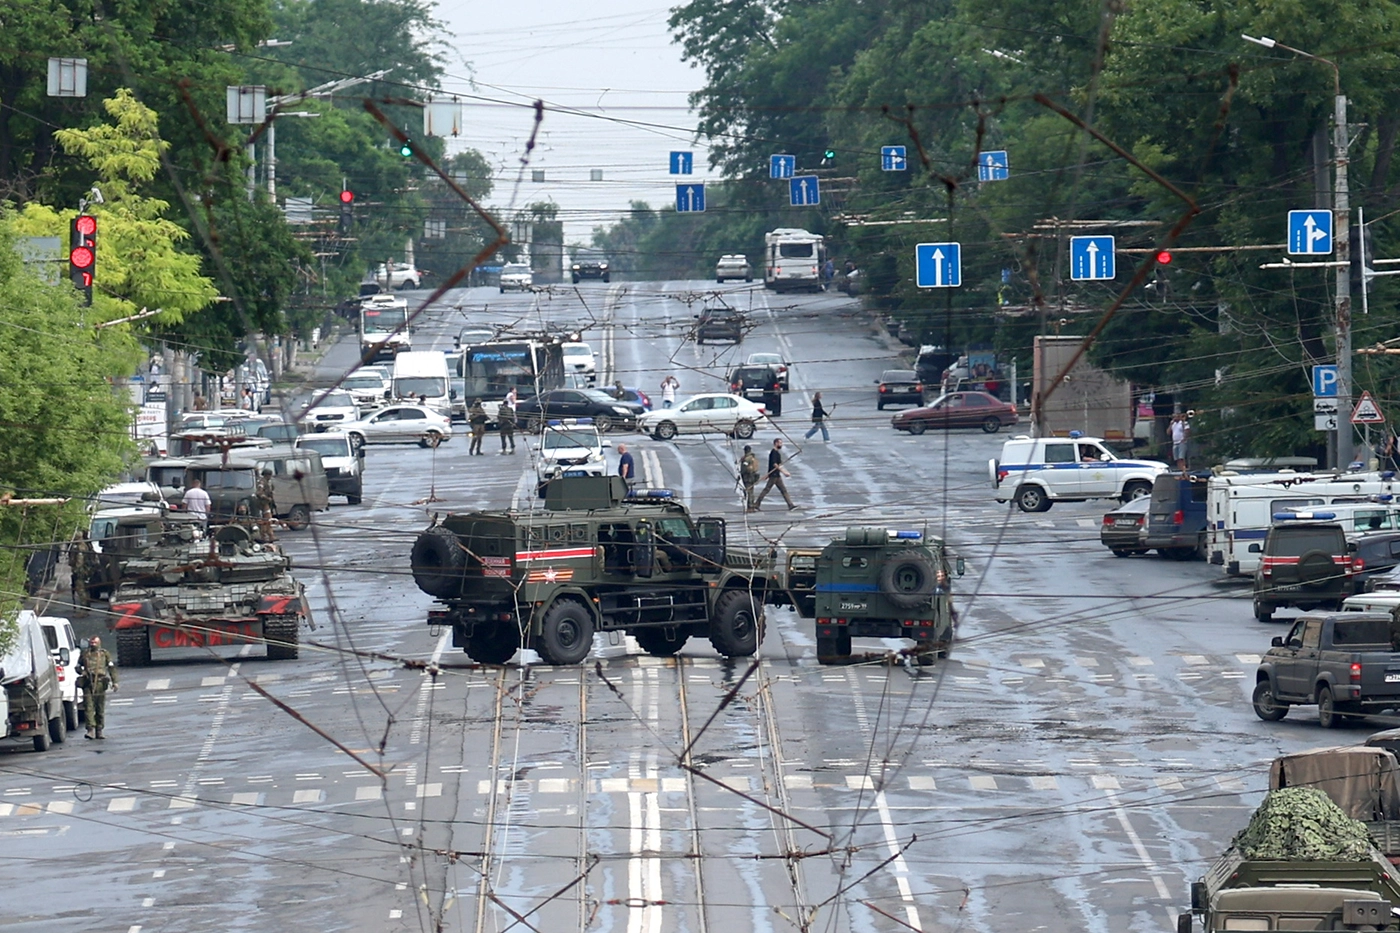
{"x": 343, "y": 459}
{"x": 299, "y": 483}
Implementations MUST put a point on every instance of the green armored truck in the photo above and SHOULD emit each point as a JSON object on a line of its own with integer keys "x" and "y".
{"x": 877, "y": 582}
{"x": 597, "y": 559}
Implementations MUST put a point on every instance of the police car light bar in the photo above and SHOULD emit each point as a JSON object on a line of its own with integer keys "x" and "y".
{"x": 909, "y": 535}
{"x": 1303, "y": 516}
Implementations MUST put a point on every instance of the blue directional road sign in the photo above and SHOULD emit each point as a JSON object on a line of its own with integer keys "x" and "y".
{"x": 782, "y": 166}
{"x": 993, "y": 166}
{"x": 1325, "y": 381}
{"x": 938, "y": 265}
{"x": 1091, "y": 258}
{"x": 682, "y": 163}
{"x": 894, "y": 159}
{"x": 690, "y": 198}
{"x": 804, "y": 191}
{"x": 1309, "y": 233}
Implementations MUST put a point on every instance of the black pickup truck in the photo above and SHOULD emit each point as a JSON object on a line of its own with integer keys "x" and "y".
{"x": 1345, "y": 662}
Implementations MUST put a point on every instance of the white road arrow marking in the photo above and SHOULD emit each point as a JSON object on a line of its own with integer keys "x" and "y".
{"x": 937, "y": 268}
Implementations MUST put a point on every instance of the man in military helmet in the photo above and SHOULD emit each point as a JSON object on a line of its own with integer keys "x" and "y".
{"x": 266, "y": 503}
{"x": 749, "y": 475}
{"x": 477, "y": 418}
{"x": 97, "y": 674}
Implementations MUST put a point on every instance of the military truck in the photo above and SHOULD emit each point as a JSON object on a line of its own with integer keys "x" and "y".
{"x": 599, "y": 558}
{"x": 175, "y": 590}
{"x": 876, "y": 582}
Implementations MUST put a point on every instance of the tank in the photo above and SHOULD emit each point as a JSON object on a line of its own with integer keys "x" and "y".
{"x": 184, "y": 591}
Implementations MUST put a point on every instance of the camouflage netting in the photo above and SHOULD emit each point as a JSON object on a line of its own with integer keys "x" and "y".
{"x": 1302, "y": 824}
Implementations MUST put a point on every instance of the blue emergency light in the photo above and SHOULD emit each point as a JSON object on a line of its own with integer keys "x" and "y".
{"x": 1304, "y": 516}
{"x": 909, "y": 535}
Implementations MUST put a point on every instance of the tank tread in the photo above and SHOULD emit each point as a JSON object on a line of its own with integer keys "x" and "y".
{"x": 133, "y": 647}
{"x": 281, "y": 633}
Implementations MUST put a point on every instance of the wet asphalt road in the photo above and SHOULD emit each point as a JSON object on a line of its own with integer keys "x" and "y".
{"x": 1086, "y": 751}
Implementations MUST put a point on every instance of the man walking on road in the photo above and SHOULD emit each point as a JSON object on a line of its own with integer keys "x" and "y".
{"x": 505, "y": 421}
{"x": 775, "y": 476}
{"x": 819, "y": 416}
{"x": 626, "y": 468}
{"x": 749, "y": 475}
{"x": 97, "y": 673}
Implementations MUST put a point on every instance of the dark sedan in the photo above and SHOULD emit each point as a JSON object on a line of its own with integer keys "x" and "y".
{"x": 606, "y": 411}
{"x": 591, "y": 269}
{"x": 898, "y": 387}
{"x": 958, "y": 410}
{"x": 1124, "y": 530}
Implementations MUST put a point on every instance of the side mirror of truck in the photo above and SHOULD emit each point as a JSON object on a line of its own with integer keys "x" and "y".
{"x": 1183, "y": 923}
{"x": 1105, "y": 458}
{"x": 962, "y": 566}
{"x": 64, "y": 656}
{"x": 1276, "y": 641}
{"x": 1256, "y": 549}
{"x": 1198, "y": 896}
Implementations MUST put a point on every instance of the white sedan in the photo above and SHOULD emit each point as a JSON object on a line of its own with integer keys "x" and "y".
{"x": 701, "y": 414}
{"x": 397, "y": 424}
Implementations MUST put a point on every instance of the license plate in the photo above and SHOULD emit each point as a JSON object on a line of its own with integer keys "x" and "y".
{"x": 1392, "y": 678}
{"x": 575, "y": 473}
{"x": 1125, "y": 521}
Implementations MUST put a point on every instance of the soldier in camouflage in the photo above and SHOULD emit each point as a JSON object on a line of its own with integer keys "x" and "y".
{"x": 266, "y": 503}
{"x": 97, "y": 674}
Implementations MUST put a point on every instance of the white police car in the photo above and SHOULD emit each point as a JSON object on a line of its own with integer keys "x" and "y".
{"x": 570, "y": 447}
{"x": 1037, "y": 472}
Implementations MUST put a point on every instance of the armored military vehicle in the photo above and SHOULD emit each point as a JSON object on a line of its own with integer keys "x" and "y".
{"x": 876, "y": 582}
{"x": 597, "y": 559}
{"x": 178, "y": 591}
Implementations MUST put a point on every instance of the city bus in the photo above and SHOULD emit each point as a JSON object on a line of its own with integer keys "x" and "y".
{"x": 489, "y": 370}
{"x": 793, "y": 259}
{"x": 384, "y": 331}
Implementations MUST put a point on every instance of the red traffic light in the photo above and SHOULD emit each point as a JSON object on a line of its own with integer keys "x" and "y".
{"x": 347, "y": 196}
{"x": 81, "y": 258}
{"x": 1164, "y": 258}
{"x": 85, "y": 224}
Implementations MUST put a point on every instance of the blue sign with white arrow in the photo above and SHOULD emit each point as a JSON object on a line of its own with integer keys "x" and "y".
{"x": 690, "y": 198}
{"x": 1325, "y": 381}
{"x": 938, "y": 265}
{"x": 894, "y": 159}
{"x": 1091, "y": 258}
{"x": 782, "y": 166}
{"x": 804, "y": 191}
{"x": 682, "y": 163}
{"x": 993, "y": 166}
{"x": 1309, "y": 233}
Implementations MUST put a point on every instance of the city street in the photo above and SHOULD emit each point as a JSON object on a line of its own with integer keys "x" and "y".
{"x": 1083, "y": 755}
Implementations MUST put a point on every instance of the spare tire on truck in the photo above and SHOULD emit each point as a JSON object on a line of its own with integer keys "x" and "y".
{"x": 438, "y": 562}
{"x": 908, "y": 580}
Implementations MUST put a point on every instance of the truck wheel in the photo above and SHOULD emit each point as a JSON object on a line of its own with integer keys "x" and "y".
{"x": 909, "y": 580}
{"x": 566, "y": 633}
{"x": 743, "y": 428}
{"x": 42, "y": 741}
{"x": 1327, "y": 709}
{"x": 991, "y": 424}
{"x": 665, "y": 430}
{"x": 1263, "y": 613}
{"x": 493, "y": 645}
{"x": 438, "y": 561}
{"x": 834, "y": 649}
{"x": 1031, "y": 499}
{"x": 356, "y": 497}
{"x": 133, "y": 647}
{"x": 58, "y": 729}
{"x": 1136, "y": 490}
{"x": 298, "y": 518}
{"x": 736, "y": 629}
{"x": 280, "y": 633}
{"x": 603, "y": 423}
{"x": 1265, "y": 706}
{"x": 70, "y": 715}
{"x": 660, "y": 642}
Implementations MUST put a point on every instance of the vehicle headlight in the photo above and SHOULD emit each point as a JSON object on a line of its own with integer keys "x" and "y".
{"x": 575, "y": 265}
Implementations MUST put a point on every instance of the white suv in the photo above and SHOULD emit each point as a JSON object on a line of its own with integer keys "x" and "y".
{"x": 579, "y": 358}
{"x": 571, "y": 447}
{"x": 1035, "y": 473}
{"x": 517, "y": 276}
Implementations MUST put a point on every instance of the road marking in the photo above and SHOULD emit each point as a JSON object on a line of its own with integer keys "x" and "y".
{"x": 160, "y": 684}
{"x": 1170, "y": 784}
{"x": 1105, "y": 782}
{"x": 982, "y": 782}
{"x": 309, "y": 795}
{"x": 115, "y": 805}
{"x": 897, "y": 863}
{"x": 246, "y": 799}
{"x": 1044, "y": 782}
{"x": 1196, "y": 660}
{"x": 61, "y": 806}
{"x": 369, "y": 792}
{"x": 1086, "y": 522}
{"x": 1248, "y": 658}
{"x": 1141, "y": 662}
{"x": 1141, "y": 849}
{"x": 859, "y": 782}
{"x": 921, "y": 782}
{"x": 182, "y": 802}
{"x": 429, "y": 790}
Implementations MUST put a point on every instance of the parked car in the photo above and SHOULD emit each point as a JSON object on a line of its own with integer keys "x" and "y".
{"x": 516, "y": 276}
{"x": 579, "y": 358}
{"x": 64, "y": 649}
{"x": 591, "y": 269}
{"x": 397, "y": 275}
{"x": 636, "y": 395}
{"x": 30, "y": 700}
{"x": 343, "y": 460}
{"x": 958, "y": 410}
{"x": 898, "y": 387}
{"x": 1343, "y": 662}
{"x": 1375, "y": 557}
{"x": 607, "y": 412}
{"x": 1176, "y": 523}
{"x": 733, "y": 266}
{"x": 758, "y": 383}
{"x": 776, "y": 361}
{"x": 711, "y": 413}
{"x": 398, "y": 424}
{"x": 1124, "y": 530}
{"x": 367, "y": 387}
{"x": 719, "y": 324}
{"x": 1306, "y": 564}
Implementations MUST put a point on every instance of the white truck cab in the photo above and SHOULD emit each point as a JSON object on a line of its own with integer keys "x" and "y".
{"x": 1037, "y": 472}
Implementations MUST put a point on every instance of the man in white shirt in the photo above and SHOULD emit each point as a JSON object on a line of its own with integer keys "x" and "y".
{"x": 1181, "y": 435}
{"x": 669, "y": 385}
{"x": 197, "y": 501}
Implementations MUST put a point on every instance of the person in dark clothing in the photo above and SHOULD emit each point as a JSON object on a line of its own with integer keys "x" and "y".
{"x": 775, "y": 476}
{"x": 819, "y": 416}
{"x": 626, "y": 468}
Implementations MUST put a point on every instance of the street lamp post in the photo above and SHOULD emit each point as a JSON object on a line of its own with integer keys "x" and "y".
{"x": 1341, "y": 242}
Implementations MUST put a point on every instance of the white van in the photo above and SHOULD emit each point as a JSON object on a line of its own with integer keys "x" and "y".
{"x": 343, "y": 459}
{"x": 422, "y": 374}
{"x": 1240, "y": 507}
{"x": 64, "y": 649}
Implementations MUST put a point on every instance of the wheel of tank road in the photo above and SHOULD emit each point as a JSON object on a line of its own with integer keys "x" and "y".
{"x": 280, "y": 632}
{"x": 70, "y": 715}
{"x": 665, "y": 430}
{"x": 298, "y": 518}
{"x": 1327, "y": 709}
{"x": 736, "y": 630}
{"x": 493, "y": 645}
{"x": 133, "y": 647}
{"x": 1265, "y": 706}
{"x": 437, "y": 561}
{"x": 743, "y": 428}
{"x": 991, "y": 424}
{"x": 42, "y": 740}
{"x": 660, "y": 642}
{"x": 58, "y": 729}
{"x": 566, "y": 633}
{"x": 1031, "y": 499}
{"x": 1262, "y": 612}
{"x": 833, "y": 649}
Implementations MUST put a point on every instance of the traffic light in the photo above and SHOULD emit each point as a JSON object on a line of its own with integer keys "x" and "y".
{"x": 1164, "y": 258}
{"x": 828, "y": 156}
{"x": 347, "y": 213}
{"x": 82, "y": 253}
{"x": 406, "y": 150}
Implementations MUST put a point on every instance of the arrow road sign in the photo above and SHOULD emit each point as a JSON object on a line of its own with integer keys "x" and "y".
{"x": 803, "y": 191}
{"x": 892, "y": 159}
{"x": 1091, "y": 258}
{"x": 994, "y": 166}
{"x": 1309, "y": 233}
{"x": 782, "y": 166}
{"x": 1367, "y": 411}
{"x": 690, "y": 198}
{"x": 938, "y": 265}
{"x": 682, "y": 163}
{"x": 1324, "y": 379}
